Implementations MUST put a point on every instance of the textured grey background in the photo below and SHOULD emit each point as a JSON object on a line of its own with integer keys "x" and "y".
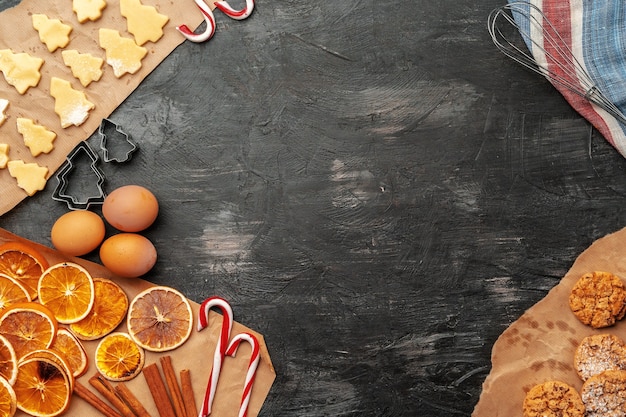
{"x": 372, "y": 185}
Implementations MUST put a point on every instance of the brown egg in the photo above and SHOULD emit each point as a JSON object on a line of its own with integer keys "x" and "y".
{"x": 78, "y": 232}
{"x": 130, "y": 208}
{"x": 128, "y": 254}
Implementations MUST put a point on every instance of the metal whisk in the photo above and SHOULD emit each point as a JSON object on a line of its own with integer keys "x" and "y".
{"x": 563, "y": 70}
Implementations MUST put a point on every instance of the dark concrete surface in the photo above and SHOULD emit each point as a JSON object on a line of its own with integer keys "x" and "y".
{"x": 372, "y": 185}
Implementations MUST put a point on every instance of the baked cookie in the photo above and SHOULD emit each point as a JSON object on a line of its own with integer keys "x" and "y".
{"x": 598, "y": 353}
{"x": 598, "y": 299}
{"x": 554, "y": 399}
{"x": 603, "y": 394}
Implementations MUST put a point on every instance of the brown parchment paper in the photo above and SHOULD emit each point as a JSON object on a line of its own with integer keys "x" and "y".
{"x": 540, "y": 345}
{"x": 17, "y": 33}
{"x": 196, "y": 355}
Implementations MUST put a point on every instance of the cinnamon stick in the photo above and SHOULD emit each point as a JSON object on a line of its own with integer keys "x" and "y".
{"x": 91, "y": 398}
{"x": 158, "y": 390}
{"x": 106, "y": 389}
{"x": 131, "y": 400}
{"x": 172, "y": 386}
{"x": 189, "y": 398}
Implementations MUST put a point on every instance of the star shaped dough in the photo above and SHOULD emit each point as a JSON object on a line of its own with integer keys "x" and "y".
{"x": 30, "y": 177}
{"x": 20, "y": 70}
{"x": 122, "y": 54}
{"x": 85, "y": 67}
{"x": 52, "y": 32}
{"x": 71, "y": 105}
{"x": 38, "y": 138}
{"x": 144, "y": 22}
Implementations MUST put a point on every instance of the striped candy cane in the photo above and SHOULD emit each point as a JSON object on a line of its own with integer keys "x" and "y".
{"x": 209, "y": 31}
{"x": 252, "y": 367}
{"x": 235, "y": 14}
{"x": 220, "y": 349}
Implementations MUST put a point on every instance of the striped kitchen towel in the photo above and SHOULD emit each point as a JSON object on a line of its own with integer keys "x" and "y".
{"x": 594, "y": 34}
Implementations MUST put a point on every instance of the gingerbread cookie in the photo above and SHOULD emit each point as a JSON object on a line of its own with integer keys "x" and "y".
{"x": 598, "y": 353}
{"x": 553, "y": 398}
{"x": 598, "y": 299}
{"x": 603, "y": 394}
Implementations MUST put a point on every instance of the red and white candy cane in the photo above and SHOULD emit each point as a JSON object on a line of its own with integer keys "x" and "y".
{"x": 252, "y": 367}
{"x": 235, "y": 14}
{"x": 220, "y": 349}
{"x": 209, "y": 31}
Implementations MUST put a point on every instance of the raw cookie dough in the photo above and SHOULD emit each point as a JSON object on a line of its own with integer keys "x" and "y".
{"x": 38, "y": 138}
{"x": 71, "y": 105}
{"x": 122, "y": 54}
{"x": 20, "y": 69}
{"x": 30, "y": 177}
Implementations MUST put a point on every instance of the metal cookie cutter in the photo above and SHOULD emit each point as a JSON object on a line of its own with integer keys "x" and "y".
{"x": 116, "y": 144}
{"x": 76, "y": 183}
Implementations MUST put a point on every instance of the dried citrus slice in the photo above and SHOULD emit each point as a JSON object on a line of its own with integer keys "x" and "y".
{"x": 159, "y": 319}
{"x": 67, "y": 289}
{"x": 118, "y": 357}
{"x": 24, "y": 263}
{"x": 8, "y": 361}
{"x": 54, "y": 356}
{"x": 11, "y": 291}
{"x": 72, "y": 350}
{"x": 43, "y": 387}
{"x": 108, "y": 311}
{"x": 28, "y": 326}
{"x": 8, "y": 400}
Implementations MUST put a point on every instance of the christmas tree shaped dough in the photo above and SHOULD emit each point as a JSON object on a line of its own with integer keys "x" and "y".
{"x": 4, "y": 103}
{"x": 30, "y": 177}
{"x": 52, "y": 32}
{"x": 38, "y": 138}
{"x": 88, "y": 9}
{"x": 20, "y": 70}
{"x": 85, "y": 67}
{"x": 122, "y": 54}
{"x": 144, "y": 22}
{"x": 71, "y": 105}
{"x": 4, "y": 155}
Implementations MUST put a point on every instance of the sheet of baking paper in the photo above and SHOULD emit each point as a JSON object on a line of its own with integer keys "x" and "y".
{"x": 17, "y": 33}
{"x": 196, "y": 355}
{"x": 540, "y": 345}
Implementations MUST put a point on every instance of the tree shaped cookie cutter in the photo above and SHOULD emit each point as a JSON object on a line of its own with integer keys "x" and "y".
{"x": 74, "y": 191}
{"x": 116, "y": 145}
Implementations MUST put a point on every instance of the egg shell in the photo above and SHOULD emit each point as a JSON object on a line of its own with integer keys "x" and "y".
{"x": 130, "y": 208}
{"x": 128, "y": 255}
{"x": 77, "y": 233}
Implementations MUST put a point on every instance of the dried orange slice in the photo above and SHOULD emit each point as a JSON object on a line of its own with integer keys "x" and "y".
{"x": 67, "y": 289}
{"x": 43, "y": 387}
{"x": 159, "y": 319}
{"x": 8, "y": 400}
{"x": 72, "y": 350}
{"x": 24, "y": 263}
{"x": 8, "y": 361}
{"x": 54, "y": 356}
{"x": 28, "y": 326}
{"x": 108, "y": 311}
{"x": 11, "y": 291}
{"x": 118, "y": 357}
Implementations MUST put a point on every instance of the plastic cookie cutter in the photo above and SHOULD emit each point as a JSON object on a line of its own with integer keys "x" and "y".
{"x": 117, "y": 146}
{"x": 209, "y": 18}
{"x": 80, "y": 181}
